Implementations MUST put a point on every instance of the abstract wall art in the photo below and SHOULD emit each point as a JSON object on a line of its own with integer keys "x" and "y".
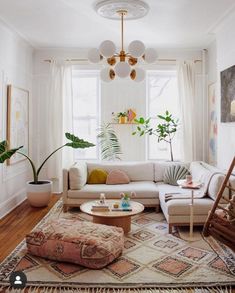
{"x": 17, "y": 121}
{"x": 228, "y": 94}
{"x": 212, "y": 124}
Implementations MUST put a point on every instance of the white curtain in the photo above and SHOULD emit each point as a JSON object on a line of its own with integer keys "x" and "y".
{"x": 59, "y": 120}
{"x": 192, "y": 106}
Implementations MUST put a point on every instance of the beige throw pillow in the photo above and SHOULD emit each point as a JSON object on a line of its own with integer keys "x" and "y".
{"x": 78, "y": 175}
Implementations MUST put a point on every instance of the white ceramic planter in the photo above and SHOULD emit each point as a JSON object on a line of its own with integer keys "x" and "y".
{"x": 39, "y": 194}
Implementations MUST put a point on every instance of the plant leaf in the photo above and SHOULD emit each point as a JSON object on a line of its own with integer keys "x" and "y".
{"x": 5, "y": 153}
{"x": 76, "y": 142}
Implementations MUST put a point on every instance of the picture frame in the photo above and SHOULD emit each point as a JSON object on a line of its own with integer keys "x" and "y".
{"x": 17, "y": 121}
{"x": 213, "y": 123}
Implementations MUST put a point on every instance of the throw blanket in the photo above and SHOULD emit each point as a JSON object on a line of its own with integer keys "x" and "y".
{"x": 203, "y": 192}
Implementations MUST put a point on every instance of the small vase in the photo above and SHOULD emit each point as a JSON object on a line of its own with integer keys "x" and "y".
{"x": 125, "y": 203}
{"x": 122, "y": 120}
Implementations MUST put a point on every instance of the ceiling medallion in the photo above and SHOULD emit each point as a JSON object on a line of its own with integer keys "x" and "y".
{"x": 123, "y": 63}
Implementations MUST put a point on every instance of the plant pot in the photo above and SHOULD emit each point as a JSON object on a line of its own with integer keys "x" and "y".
{"x": 122, "y": 120}
{"x": 39, "y": 194}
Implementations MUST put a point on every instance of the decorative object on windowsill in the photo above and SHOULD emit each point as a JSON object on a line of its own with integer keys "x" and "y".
{"x": 109, "y": 143}
{"x": 39, "y": 192}
{"x": 122, "y": 116}
{"x": 164, "y": 131}
{"x": 125, "y": 199}
{"x": 131, "y": 115}
{"x": 122, "y": 64}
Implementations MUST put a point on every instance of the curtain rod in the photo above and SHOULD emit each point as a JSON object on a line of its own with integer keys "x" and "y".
{"x": 85, "y": 59}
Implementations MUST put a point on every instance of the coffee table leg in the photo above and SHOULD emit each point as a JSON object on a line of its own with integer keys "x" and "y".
{"x": 123, "y": 222}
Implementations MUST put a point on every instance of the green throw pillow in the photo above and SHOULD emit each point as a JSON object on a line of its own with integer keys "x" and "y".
{"x": 174, "y": 173}
{"x": 97, "y": 176}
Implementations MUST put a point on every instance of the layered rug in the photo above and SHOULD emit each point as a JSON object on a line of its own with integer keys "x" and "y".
{"x": 153, "y": 261}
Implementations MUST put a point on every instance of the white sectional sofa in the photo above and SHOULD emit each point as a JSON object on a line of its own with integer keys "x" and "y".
{"x": 147, "y": 181}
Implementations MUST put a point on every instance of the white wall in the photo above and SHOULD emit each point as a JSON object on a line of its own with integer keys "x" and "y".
{"x": 116, "y": 96}
{"x": 221, "y": 56}
{"x": 16, "y": 69}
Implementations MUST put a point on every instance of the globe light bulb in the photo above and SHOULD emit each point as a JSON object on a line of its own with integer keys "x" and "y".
{"x": 139, "y": 74}
{"x": 136, "y": 48}
{"x": 122, "y": 69}
{"x": 107, "y": 74}
{"x": 150, "y": 55}
{"x": 107, "y": 49}
{"x": 94, "y": 55}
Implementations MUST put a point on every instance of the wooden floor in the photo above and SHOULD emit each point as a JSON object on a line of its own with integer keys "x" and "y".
{"x": 20, "y": 221}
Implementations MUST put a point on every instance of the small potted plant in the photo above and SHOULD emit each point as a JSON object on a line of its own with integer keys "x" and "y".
{"x": 39, "y": 191}
{"x": 122, "y": 117}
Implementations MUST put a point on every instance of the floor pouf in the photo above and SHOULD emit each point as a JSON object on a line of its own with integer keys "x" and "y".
{"x": 84, "y": 243}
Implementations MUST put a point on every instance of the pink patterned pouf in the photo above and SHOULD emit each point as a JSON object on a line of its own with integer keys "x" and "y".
{"x": 84, "y": 243}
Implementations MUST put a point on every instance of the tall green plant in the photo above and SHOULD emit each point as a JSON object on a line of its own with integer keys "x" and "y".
{"x": 74, "y": 142}
{"x": 109, "y": 143}
{"x": 164, "y": 131}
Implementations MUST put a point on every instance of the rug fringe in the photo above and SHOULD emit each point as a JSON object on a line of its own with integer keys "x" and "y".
{"x": 32, "y": 289}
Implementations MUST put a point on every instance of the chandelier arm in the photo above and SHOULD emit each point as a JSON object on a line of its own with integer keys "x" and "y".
{"x": 122, "y": 16}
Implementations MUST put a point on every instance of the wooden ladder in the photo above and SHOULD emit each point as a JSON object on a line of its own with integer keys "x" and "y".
{"x": 220, "y": 222}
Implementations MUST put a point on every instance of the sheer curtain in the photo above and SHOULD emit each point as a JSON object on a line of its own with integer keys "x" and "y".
{"x": 59, "y": 120}
{"x": 193, "y": 109}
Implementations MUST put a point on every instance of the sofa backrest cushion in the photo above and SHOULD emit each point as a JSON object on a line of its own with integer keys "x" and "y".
{"x": 174, "y": 173}
{"x": 117, "y": 177}
{"x": 97, "y": 176}
{"x": 136, "y": 171}
{"x": 78, "y": 175}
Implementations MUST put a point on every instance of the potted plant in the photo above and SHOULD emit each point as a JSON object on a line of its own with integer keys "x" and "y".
{"x": 122, "y": 116}
{"x": 164, "y": 131}
{"x": 38, "y": 191}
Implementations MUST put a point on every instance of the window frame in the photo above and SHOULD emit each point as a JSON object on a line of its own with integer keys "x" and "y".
{"x": 83, "y": 72}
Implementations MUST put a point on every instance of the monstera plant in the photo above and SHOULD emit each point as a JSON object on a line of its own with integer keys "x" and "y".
{"x": 38, "y": 191}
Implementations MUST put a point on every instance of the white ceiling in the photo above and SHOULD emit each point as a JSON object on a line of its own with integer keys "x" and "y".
{"x": 74, "y": 23}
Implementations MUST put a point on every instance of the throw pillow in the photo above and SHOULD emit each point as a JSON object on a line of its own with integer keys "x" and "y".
{"x": 174, "y": 173}
{"x": 97, "y": 176}
{"x": 78, "y": 175}
{"x": 117, "y": 177}
{"x": 215, "y": 183}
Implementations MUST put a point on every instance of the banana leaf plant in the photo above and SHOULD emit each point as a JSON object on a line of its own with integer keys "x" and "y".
{"x": 74, "y": 142}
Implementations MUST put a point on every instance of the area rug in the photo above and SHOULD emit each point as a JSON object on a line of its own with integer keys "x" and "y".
{"x": 153, "y": 261}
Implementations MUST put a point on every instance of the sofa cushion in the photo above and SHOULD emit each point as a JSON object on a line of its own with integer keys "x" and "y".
{"x": 174, "y": 173}
{"x": 136, "y": 171}
{"x": 117, "y": 177}
{"x": 143, "y": 189}
{"x": 160, "y": 168}
{"x": 97, "y": 176}
{"x": 78, "y": 175}
{"x": 84, "y": 243}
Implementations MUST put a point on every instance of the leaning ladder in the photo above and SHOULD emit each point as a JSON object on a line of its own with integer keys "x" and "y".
{"x": 220, "y": 222}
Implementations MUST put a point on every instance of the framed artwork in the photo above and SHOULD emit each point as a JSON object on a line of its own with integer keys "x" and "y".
{"x": 212, "y": 124}
{"x": 17, "y": 121}
{"x": 228, "y": 94}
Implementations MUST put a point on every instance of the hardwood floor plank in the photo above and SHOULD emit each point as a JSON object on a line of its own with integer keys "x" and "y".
{"x": 19, "y": 222}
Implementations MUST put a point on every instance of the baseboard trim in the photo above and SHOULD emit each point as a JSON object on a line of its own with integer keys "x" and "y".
{"x": 7, "y": 206}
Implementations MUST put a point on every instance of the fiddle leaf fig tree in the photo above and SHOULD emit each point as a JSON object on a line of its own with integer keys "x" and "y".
{"x": 74, "y": 142}
{"x": 164, "y": 131}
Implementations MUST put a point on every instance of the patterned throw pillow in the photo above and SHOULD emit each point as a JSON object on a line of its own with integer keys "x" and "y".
{"x": 97, "y": 176}
{"x": 117, "y": 177}
{"x": 174, "y": 173}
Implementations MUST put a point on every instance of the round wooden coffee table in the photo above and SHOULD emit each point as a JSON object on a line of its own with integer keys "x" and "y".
{"x": 113, "y": 218}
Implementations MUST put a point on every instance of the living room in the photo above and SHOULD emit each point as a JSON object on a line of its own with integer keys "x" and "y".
{"x": 145, "y": 129}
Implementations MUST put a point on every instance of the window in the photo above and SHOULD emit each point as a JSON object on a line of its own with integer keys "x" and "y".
{"x": 86, "y": 94}
{"x": 162, "y": 95}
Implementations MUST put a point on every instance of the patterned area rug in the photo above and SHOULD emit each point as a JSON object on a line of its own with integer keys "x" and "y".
{"x": 153, "y": 261}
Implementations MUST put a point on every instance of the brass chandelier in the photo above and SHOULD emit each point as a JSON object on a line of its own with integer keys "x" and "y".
{"x": 123, "y": 64}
